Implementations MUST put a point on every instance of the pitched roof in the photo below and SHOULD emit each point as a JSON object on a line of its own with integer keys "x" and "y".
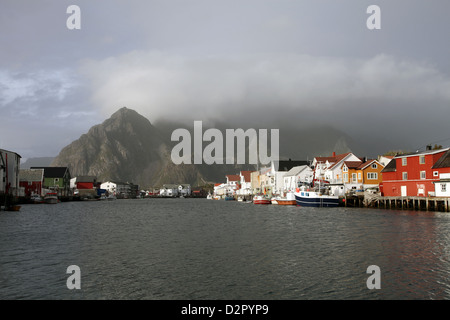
{"x": 368, "y": 163}
{"x": 421, "y": 153}
{"x": 233, "y": 177}
{"x": 247, "y": 175}
{"x": 53, "y": 172}
{"x": 390, "y": 167}
{"x": 325, "y": 159}
{"x": 31, "y": 174}
{"x": 338, "y": 159}
{"x": 82, "y": 179}
{"x": 353, "y": 164}
{"x": 286, "y": 165}
{"x": 295, "y": 171}
{"x": 443, "y": 162}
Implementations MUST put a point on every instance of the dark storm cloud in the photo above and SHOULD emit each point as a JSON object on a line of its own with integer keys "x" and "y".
{"x": 281, "y": 63}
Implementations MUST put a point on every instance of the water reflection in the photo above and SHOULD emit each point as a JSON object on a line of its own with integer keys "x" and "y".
{"x": 203, "y": 249}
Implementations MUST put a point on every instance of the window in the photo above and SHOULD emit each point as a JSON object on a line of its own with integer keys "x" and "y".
{"x": 423, "y": 174}
{"x": 372, "y": 176}
{"x": 345, "y": 177}
{"x": 443, "y": 187}
{"x": 374, "y": 166}
{"x": 435, "y": 174}
{"x": 422, "y": 159}
{"x": 404, "y": 161}
{"x": 345, "y": 169}
{"x": 354, "y": 178}
{"x": 405, "y": 175}
{"x": 359, "y": 176}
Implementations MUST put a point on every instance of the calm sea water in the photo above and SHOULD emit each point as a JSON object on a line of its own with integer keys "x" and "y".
{"x": 204, "y": 249}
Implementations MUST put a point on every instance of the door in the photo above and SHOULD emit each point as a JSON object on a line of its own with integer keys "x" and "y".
{"x": 404, "y": 191}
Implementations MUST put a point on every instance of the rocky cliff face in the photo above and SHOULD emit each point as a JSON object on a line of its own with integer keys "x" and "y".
{"x": 125, "y": 147}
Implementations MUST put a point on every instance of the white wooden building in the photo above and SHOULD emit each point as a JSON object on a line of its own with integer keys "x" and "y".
{"x": 9, "y": 172}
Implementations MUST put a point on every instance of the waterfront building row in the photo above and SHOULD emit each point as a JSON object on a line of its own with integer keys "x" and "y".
{"x": 425, "y": 174}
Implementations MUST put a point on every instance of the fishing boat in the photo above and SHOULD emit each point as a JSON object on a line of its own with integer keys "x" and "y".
{"x": 51, "y": 198}
{"x": 229, "y": 198}
{"x": 35, "y": 198}
{"x": 274, "y": 200}
{"x": 315, "y": 198}
{"x": 12, "y": 208}
{"x": 261, "y": 199}
{"x": 287, "y": 200}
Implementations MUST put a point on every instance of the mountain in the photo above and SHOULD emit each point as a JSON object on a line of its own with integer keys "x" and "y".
{"x": 37, "y": 162}
{"x": 125, "y": 147}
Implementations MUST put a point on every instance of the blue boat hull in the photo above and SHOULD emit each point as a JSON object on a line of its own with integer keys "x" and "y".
{"x": 316, "y": 201}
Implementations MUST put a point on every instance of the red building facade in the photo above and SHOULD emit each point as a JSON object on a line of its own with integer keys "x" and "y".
{"x": 412, "y": 175}
{"x": 32, "y": 181}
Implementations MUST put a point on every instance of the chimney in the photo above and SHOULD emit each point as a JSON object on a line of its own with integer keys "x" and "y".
{"x": 429, "y": 147}
{"x": 334, "y": 154}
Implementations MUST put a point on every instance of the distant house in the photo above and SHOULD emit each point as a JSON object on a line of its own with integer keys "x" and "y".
{"x": 84, "y": 186}
{"x": 245, "y": 183}
{"x": 361, "y": 175}
{"x": 169, "y": 190}
{"x": 83, "y": 182}
{"x": 184, "y": 190}
{"x": 278, "y": 170}
{"x": 32, "y": 180}
{"x": 56, "y": 179}
{"x": 329, "y": 170}
{"x": 442, "y": 168}
{"x": 9, "y": 172}
{"x": 299, "y": 174}
{"x": 109, "y": 186}
{"x": 220, "y": 189}
{"x": 232, "y": 183}
{"x": 255, "y": 182}
{"x": 414, "y": 174}
{"x": 266, "y": 181}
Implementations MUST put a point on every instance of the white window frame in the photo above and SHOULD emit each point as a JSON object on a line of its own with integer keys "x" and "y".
{"x": 443, "y": 187}
{"x": 435, "y": 173}
{"x": 372, "y": 176}
{"x": 422, "y": 159}
{"x": 423, "y": 175}
{"x": 404, "y": 162}
{"x": 374, "y": 166}
{"x": 404, "y": 175}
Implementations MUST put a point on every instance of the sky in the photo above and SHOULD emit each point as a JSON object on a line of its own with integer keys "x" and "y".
{"x": 249, "y": 63}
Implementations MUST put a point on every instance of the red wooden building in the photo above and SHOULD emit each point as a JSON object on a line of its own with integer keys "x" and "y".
{"x": 412, "y": 175}
{"x": 32, "y": 181}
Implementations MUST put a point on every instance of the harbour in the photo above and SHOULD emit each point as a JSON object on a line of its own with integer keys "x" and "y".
{"x": 201, "y": 249}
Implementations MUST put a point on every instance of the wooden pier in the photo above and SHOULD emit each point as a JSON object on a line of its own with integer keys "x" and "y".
{"x": 400, "y": 203}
